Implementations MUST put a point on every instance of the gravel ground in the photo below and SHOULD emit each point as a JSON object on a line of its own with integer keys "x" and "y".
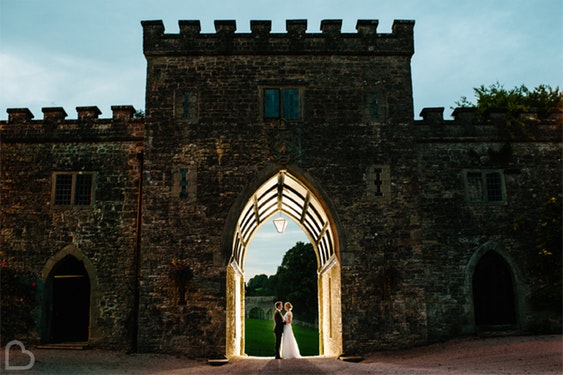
{"x": 500, "y": 355}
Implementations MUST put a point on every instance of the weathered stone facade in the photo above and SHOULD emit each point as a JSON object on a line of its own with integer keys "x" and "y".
{"x": 387, "y": 199}
{"x": 36, "y": 233}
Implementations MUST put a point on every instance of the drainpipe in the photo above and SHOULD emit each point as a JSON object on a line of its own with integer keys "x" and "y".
{"x": 137, "y": 255}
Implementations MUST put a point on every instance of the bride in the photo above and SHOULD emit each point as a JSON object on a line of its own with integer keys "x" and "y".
{"x": 289, "y": 348}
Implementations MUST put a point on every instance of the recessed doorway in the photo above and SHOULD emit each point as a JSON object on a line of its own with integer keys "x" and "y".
{"x": 493, "y": 292}
{"x": 68, "y": 288}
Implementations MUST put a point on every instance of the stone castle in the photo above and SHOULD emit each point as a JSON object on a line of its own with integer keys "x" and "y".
{"x": 134, "y": 230}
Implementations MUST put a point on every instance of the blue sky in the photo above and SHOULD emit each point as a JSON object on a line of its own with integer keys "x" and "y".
{"x": 73, "y": 53}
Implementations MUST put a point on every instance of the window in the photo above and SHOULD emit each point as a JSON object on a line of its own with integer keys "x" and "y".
{"x": 378, "y": 178}
{"x": 373, "y": 106}
{"x": 282, "y": 103}
{"x": 484, "y": 186}
{"x": 73, "y": 189}
{"x": 186, "y": 105}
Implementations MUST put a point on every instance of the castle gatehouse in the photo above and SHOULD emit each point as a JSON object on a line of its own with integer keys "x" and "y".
{"x": 133, "y": 230}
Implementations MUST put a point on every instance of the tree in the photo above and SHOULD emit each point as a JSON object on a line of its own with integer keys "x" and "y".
{"x": 541, "y": 100}
{"x": 139, "y": 114}
{"x": 259, "y": 285}
{"x": 296, "y": 281}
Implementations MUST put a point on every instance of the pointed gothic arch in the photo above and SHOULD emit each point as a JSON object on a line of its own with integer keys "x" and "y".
{"x": 285, "y": 192}
{"x": 507, "y": 278}
{"x": 67, "y": 275}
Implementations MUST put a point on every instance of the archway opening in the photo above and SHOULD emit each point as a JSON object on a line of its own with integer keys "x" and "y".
{"x": 493, "y": 292}
{"x": 285, "y": 193}
{"x": 69, "y": 297}
{"x": 281, "y": 266}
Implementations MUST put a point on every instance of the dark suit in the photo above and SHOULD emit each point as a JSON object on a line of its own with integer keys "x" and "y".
{"x": 278, "y": 331}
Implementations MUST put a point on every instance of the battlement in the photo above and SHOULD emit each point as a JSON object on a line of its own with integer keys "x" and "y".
{"x": 468, "y": 115}
{"x": 55, "y": 126}
{"x": 366, "y": 41}
{"x": 58, "y": 114}
{"x": 467, "y": 123}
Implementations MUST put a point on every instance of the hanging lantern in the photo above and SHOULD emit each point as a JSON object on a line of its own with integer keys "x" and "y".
{"x": 280, "y": 223}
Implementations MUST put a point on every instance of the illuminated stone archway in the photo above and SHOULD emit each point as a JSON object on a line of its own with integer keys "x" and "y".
{"x": 285, "y": 193}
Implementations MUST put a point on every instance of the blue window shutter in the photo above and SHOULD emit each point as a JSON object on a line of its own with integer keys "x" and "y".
{"x": 291, "y": 104}
{"x": 271, "y": 103}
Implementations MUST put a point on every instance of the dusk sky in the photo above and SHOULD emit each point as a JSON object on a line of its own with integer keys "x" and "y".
{"x": 71, "y": 53}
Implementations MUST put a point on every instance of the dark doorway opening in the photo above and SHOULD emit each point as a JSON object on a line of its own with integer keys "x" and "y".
{"x": 70, "y": 301}
{"x": 493, "y": 292}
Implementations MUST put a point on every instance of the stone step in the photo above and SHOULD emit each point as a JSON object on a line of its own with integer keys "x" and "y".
{"x": 65, "y": 346}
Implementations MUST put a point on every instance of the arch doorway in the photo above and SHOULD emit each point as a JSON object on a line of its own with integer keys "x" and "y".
{"x": 493, "y": 292}
{"x": 68, "y": 300}
{"x": 286, "y": 193}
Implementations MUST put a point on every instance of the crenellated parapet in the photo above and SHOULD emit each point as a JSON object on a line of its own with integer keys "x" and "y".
{"x": 296, "y": 41}
{"x": 466, "y": 122}
{"x": 22, "y": 127}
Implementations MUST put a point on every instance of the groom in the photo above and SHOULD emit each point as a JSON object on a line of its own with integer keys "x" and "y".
{"x": 278, "y": 328}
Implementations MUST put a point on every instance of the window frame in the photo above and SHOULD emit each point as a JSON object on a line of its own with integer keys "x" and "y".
{"x": 282, "y": 101}
{"x": 75, "y": 194}
{"x": 486, "y": 195}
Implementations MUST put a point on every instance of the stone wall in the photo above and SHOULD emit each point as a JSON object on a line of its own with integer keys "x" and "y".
{"x": 103, "y": 234}
{"x": 455, "y": 230}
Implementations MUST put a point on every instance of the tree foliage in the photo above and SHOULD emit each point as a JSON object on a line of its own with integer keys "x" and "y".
{"x": 260, "y": 285}
{"x": 295, "y": 281}
{"x": 515, "y": 102}
{"x": 520, "y": 99}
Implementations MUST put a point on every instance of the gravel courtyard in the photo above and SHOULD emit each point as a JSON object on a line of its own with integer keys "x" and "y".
{"x": 498, "y": 355}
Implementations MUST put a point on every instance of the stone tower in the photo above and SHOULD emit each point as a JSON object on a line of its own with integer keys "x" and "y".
{"x": 315, "y": 125}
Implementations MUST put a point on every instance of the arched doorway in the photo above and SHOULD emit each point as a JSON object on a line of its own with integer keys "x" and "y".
{"x": 68, "y": 301}
{"x": 493, "y": 292}
{"x": 285, "y": 192}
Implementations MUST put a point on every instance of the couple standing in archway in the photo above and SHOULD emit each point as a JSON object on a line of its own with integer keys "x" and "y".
{"x": 286, "y": 345}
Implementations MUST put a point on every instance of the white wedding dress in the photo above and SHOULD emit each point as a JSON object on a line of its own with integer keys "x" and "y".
{"x": 289, "y": 348}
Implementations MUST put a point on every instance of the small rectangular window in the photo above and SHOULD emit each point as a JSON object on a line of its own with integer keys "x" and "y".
{"x": 73, "y": 189}
{"x": 186, "y": 105}
{"x": 282, "y": 103}
{"x": 484, "y": 186}
{"x": 474, "y": 187}
{"x": 291, "y": 104}
{"x": 494, "y": 187}
{"x": 63, "y": 189}
{"x": 83, "y": 190}
{"x": 272, "y": 103}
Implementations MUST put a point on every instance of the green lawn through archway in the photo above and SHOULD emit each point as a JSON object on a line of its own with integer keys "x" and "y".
{"x": 260, "y": 339}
